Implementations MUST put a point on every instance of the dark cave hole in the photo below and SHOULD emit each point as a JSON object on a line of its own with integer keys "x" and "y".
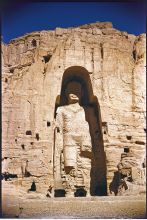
{"x": 28, "y": 132}
{"x": 8, "y": 176}
{"x": 47, "y": 58}
{"x": 126, "y": 150}
{"x": 37, "y": 136}
{"x": 59, "y": 193}
{"x": 140, "y": 142}
{"x": 129, "y": 137}
{"x": 58, "y": 130}
{"x": 48, "y": 124}
{"x": 80, "y": 192}
{"x": 34, "y": 43}
{"x": 33, "y": 187}
{"x": 23, "y": 146}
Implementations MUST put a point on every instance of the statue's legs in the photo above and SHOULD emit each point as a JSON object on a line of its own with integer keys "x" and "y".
{"x": 76, "y": 172}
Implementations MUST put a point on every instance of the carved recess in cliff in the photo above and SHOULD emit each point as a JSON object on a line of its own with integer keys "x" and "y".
{"x": 79, "y": 159}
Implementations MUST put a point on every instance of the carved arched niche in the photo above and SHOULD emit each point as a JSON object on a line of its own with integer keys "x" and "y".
{"x": 76, "y": 80}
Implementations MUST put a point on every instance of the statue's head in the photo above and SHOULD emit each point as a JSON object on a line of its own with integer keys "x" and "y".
{"x": 73, "y": 92}
{"x": 72, "y": 98}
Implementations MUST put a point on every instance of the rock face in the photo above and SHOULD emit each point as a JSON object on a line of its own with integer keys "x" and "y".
{"x": 37, "y": 69}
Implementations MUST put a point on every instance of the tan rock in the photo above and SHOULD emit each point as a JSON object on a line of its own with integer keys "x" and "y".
{"x": 37, "y": 68}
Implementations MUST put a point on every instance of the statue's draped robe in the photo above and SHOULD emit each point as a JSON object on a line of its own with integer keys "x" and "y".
{"x": 73, "y": 148}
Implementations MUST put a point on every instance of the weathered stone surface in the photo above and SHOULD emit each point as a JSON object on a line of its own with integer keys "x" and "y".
{"x": 36, "y": 70}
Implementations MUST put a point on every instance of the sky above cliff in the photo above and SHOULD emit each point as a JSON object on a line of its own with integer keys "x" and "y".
{"x": 18, "y": 19}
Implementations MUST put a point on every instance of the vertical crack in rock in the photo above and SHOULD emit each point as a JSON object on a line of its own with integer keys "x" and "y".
{"x": 133, "y": 89}
{"x": 92, "y": 58}
{"x": 102, "y": 52}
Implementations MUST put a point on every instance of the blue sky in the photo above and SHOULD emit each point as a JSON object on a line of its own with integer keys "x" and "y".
{"x": 19, "y": 19}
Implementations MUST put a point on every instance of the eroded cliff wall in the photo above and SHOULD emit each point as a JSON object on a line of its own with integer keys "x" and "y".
{"x": 32, "y": 70}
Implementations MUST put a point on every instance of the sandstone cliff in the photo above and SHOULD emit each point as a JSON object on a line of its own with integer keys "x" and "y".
{"x": 32, "y": 72}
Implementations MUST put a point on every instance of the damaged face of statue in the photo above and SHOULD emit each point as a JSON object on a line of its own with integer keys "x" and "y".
{"x": 72, "y": 98}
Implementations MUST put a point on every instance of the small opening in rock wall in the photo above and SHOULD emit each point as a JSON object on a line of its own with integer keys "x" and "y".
{"x": 126, "y": 149}
{"x": 31, "y": 143}
{"x": 34, "y": 43}
{"x": 11, "y": 70}
{"x": 16, "y": 140}
{"x": 80, "y": 192}
{"x": 140, "y": 142}
{"x": 6, "y": 80}
{"x": 143, "y": 165}
{"x": 129, "y": 137}
{"x": 58, "y": 129}
{"x": 48, "y": 124}
{"x": 47, "y": 58}
{"x": 33, "y": 187}
{"x": 59, "y": 193}
{"x": 28, "y": 132}
{"x": 37, "y": 136}
{"x": 23, "y": 146}
{"x": 145, "y": 129}
{"x": 105, "y": 127}
{"x": 8, "y": 176}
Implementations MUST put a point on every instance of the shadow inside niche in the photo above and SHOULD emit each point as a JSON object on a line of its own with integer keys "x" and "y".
{"x": 80, "y": 192}
{"x": 59, "y": 193}
{"x": 98, "y": 185}
{"x": 118, "y": 183}
{"x": 114, "y": 185}
{"x": 33, "y": 187}
{"x": 8, "y": 176}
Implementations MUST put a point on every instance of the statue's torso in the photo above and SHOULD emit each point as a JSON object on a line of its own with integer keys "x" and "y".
{"x": 74, "y": 120}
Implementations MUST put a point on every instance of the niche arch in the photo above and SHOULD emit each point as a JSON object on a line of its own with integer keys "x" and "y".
{"x": 76, "y": 79}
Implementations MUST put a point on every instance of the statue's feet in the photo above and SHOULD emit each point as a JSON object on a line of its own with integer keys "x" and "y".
{"x": 88, "y": 194}
{"x": 69, "y": 194}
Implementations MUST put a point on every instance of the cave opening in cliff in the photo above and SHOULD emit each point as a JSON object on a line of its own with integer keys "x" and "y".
{"x": 47, "y": 58}
{"x": 34, "y": 43}
{"x": 76, "y": 80}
